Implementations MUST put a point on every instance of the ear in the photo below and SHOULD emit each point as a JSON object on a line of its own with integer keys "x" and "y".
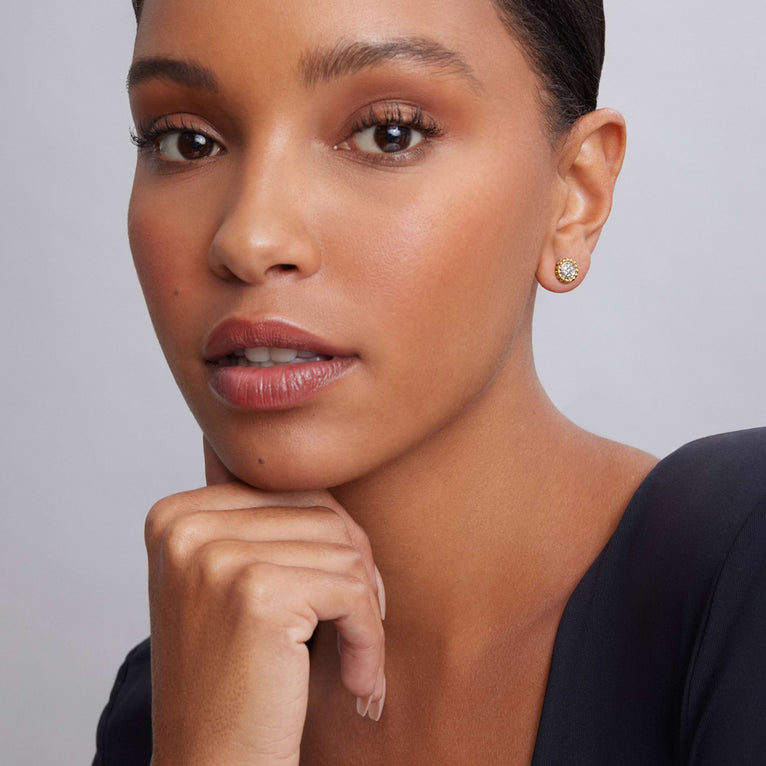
{"x": 590, "y": 161}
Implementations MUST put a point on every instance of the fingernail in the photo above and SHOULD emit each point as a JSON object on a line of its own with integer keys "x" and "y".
{"x": 381, "y": 594}
{"x": 362, "y": 705}
{"x": 376, "y": 708}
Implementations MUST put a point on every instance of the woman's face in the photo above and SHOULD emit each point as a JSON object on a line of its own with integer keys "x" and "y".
{"x": 282, "y": 183}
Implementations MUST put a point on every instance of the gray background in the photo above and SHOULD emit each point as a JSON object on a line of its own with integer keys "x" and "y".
{"x": 664, "y": 342}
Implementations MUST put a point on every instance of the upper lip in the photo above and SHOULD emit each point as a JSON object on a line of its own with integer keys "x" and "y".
{"x": 236, "y": 333}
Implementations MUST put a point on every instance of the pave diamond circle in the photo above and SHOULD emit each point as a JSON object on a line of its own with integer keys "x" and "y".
{"x": 567, "y": 270}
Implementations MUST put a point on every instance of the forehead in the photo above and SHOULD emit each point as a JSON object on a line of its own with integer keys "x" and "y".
{"x": 272, "y": 37}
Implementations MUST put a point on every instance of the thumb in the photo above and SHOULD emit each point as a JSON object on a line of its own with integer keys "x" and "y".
{"x": 215, "y": 471}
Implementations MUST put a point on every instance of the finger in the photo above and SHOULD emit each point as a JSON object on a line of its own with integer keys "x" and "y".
{"x": 215, "y": 471}
{"x": 235, "y": 494}
{"x": 220, "y": 560}
{"x": 183, "y": 535}
{"x": 182, "y": 522}
{"x": 283, "y": 605}
{"x": 375, "y": 708}
{"x": 360, "y": 541}
{"x": 289, "y": 526}
{"x": 350, "y": 604}
{"x": 219, "y": 498}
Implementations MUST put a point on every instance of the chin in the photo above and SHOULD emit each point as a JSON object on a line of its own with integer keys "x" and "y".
{"x": 275, "y": 469}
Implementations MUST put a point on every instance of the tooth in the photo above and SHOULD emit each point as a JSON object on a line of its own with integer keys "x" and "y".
{"x": 282, "y": 355}
{"x": 260, "y": 354}
{"x": 306, "y": 354}
{"x": 240, "y": 361}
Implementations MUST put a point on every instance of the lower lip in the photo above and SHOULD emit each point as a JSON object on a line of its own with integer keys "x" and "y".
{"x": 276, "y": 388}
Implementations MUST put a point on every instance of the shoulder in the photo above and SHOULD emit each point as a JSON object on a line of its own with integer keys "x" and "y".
{"x": 694, "y": 519}
{"x": 662, "y": 645}
{"x": 693, "y": 563}
{"x": 730, "y": 466}
{"x": 718, "y": 488}
{"x": 692, "y": 505}
{"x": 124, "y": 734}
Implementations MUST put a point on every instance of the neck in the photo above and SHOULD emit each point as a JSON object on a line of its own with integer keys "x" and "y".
{"x": 466, "y": 522}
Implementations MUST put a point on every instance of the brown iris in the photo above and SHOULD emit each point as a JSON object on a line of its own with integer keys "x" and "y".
{"x": 194, "y": 146}
{"x": 392, "y": 138}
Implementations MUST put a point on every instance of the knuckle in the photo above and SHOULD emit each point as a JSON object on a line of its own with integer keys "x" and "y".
{"x": 358, "y": 589}
{"x": 363, "y": 543}
{"x": 156, "y": 520}
{"x": 179, "y": 540}
{"x": 210, "y": 563}
{"x": 162, "y": 513}
{"x": 356, "y": 563}
{"x": 255, "y": 588}
{"x": 334, "y": 523}
{"x": 360, "y": 540}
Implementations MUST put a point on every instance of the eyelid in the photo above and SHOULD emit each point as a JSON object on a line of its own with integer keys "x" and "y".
{"x": 402, "y": 113}
{"x": 149, "y": 131}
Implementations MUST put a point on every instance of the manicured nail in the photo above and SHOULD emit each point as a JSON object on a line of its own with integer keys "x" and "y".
{"x": 362, "y": 705}
{"x": 376, "y": 708}
{"x": 381, "y": 594}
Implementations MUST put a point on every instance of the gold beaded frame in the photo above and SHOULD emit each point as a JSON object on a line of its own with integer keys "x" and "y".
{"x": 567, "y": 270}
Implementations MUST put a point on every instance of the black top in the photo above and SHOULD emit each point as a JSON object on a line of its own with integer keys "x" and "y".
{"x": 660, "y": 655}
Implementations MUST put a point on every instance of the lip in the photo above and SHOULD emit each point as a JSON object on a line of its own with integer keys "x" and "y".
{"x": 236, "y": 333}
{"x": 271, "y": 388}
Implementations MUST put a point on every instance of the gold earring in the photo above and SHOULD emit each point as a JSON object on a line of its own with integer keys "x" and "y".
{"x": 567, "y": 270}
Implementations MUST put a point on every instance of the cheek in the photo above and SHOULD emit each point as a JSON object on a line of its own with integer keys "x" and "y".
{"x": 447, "y": 274}
{"x": 168, "y": 236}
{"x": 441, "y": 282}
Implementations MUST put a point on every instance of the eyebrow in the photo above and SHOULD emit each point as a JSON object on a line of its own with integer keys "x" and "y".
{"x": 345, "y": 58}
{"x": 318, "y": 65}
{"x": 184, "y": 72}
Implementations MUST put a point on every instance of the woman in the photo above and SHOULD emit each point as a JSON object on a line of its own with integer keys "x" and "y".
{"x": 340, "y": 217}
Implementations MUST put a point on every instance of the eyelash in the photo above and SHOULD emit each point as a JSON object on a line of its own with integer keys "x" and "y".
{"x": 146, "y": 136}
{"x": 391, "y": 114}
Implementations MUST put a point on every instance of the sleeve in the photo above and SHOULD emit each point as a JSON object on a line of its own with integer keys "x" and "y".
{"x": 124, "y": 733}
{"x": 724, "y": 718}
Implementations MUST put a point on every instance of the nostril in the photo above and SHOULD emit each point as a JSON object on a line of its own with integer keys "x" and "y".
{"x": 287, "y": 266}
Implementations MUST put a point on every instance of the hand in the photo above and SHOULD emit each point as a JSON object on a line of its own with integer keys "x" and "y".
{"x": 238, "y": 579}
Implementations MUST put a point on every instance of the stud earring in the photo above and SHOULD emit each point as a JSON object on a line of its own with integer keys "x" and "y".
{"x": 567, "y": 270}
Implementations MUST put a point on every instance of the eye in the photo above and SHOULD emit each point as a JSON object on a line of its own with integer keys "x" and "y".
{"x": 391, "y": 133}
{"x": 185, "y": 145}
{"x": 387, "y": 138}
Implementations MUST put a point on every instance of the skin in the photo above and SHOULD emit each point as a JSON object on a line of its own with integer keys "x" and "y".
{"x": 438, "y": 457}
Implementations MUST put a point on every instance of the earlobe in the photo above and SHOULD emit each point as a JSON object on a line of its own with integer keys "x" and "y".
{"x": 564, "y": 274}
{"x": 590, "y": 161}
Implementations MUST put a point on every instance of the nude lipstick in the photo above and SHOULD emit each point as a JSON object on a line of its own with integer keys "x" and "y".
{"x": 271, "y": 364}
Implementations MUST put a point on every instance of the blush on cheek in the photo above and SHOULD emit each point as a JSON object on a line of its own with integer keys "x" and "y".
{"x": 163, "y": 251}
{"x": 168, "y": 281}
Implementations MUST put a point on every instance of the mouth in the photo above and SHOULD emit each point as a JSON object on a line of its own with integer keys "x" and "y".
{"x": 266, "y": 356}
{"x": 266, "y": 343}
{"x": 285, "y": 366}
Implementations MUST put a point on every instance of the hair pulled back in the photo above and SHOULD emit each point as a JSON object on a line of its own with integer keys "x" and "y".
{"x": 564, "y": 43}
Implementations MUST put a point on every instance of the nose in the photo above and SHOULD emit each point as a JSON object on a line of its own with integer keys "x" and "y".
{"x": 263, "y": 233}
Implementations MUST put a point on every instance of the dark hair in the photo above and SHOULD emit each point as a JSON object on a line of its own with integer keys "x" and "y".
{"x": 564, "y": 43}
